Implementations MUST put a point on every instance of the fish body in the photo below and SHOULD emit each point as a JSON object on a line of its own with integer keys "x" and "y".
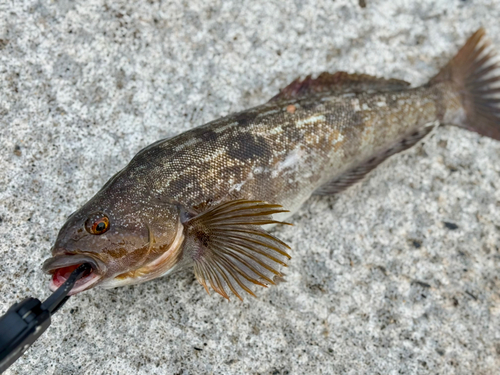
{"x": 282, "y": 151}
{"x": 201, "y": 198}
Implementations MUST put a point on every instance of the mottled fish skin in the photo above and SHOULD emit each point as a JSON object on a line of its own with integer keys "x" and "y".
{"x": 281, "y": 152}
{"x": 199, "y": 199}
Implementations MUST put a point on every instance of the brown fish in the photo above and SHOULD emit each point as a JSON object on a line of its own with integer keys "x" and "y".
{"x": 201, "y": 199}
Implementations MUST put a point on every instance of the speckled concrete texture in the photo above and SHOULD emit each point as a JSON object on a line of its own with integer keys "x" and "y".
{"x": 398, "y": 275}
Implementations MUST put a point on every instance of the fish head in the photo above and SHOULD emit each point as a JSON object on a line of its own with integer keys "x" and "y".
{"x": 126, "y": 240}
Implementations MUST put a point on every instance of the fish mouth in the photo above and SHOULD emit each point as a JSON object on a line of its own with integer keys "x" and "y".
{"x": 61, "y": 267}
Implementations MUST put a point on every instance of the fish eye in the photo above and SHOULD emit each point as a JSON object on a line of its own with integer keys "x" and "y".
{"x": 97, "y": 223}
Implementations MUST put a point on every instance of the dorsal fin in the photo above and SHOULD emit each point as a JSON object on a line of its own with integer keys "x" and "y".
{"x": 338, "y": 82}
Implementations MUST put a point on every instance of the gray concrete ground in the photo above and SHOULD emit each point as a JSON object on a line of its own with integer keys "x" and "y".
{"x": 378, "y": 283}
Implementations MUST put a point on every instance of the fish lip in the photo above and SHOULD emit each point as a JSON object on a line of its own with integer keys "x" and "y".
{"x": 81, "y": 284}
{"x": 60, "y": 261}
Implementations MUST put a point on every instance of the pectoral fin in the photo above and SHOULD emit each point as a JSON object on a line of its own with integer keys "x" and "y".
{"x": 231, "y": 252}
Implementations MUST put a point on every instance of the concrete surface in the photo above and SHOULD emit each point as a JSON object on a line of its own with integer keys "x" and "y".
{"x": 378, "y": 284}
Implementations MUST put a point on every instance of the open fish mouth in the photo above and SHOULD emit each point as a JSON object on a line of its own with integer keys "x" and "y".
{"x": 60, "y": 267}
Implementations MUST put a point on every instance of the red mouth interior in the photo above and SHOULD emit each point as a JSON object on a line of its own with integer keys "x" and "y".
{"x": 60, "y": 275}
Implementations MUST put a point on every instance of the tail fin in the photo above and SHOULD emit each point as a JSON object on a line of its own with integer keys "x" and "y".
{"x": 475, "y": 72}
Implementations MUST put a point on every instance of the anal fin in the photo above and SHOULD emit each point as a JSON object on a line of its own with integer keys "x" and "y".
{"x": 353, "y": 175}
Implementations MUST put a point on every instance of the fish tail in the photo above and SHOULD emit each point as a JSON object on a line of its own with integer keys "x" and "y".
{"x": 471, "y": 80}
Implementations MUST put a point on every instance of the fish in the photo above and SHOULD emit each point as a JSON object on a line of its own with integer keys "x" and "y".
{"x": 207, "y": 199}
